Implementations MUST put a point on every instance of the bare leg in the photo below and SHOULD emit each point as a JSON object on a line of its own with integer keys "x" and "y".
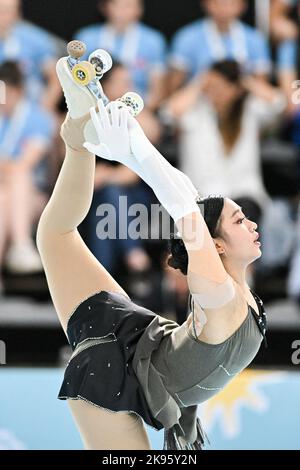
{"x": 21, "y": 196}
{"x": 38, "y": 205}
{"x": 22, "y": 256}
{"x": 73, "y": 274}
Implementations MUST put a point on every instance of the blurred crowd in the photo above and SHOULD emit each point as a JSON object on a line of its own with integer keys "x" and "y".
{"x": 222, "y": 103}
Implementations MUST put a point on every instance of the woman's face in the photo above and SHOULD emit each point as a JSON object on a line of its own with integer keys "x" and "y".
{"x": 221, "y": 92}
{"x": 9, "y": 13}
{"x": 225, "y": 11}
{"x": 238, "y": 235}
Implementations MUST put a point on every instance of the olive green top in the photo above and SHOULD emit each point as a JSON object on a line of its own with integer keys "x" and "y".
{"x": 178, "y": 371}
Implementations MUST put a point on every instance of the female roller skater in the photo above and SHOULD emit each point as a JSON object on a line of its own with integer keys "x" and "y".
{"x": 130, "y": 365}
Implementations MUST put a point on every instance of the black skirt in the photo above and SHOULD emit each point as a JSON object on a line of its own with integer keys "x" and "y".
{"x": 103, "y": 333}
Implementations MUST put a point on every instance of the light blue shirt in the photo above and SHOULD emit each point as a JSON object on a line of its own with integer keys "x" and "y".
{"x": 32, "y": 48}
{"x": 141, "y": 49}
{"x": 197, "y": 46}
{"x": 29, "y": 122}
{"x": 287, "y": 56}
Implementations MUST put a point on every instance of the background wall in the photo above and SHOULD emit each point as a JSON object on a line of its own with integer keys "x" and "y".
{"x": 65, "y": 17}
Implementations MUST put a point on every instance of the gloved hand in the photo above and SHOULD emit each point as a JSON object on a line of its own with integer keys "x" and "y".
{"x": 111, "y": 125}
{"x": 112, "y": 131}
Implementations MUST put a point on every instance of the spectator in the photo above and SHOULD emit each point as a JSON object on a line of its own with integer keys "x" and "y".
{"x": 221, "y": 35}
{"x": 140, "y": 48}
{"x": 282, "y": 27}
{"x": 113, "y": 181}
{"x": 33, "y": 49}
{"x": 220, "y": 116}
{"x": 25, "y": 133}
{"x": 288, "y": 68}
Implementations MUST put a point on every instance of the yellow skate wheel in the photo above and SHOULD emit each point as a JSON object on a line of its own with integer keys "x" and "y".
{"x": 83, "y": 73}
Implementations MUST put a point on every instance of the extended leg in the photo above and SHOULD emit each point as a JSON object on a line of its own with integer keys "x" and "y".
{"x": 101, "y": 429}
{"x": 73, "y": 273}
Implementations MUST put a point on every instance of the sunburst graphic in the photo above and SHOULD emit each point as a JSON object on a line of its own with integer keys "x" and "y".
{"x": 242, "y": 392}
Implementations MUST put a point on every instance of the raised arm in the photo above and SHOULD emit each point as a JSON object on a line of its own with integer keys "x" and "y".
{"x": 208, "y": 280}
{"x": 115, "y": 140}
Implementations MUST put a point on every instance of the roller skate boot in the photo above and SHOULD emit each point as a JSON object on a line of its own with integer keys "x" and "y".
{"x": 80, "y": 81}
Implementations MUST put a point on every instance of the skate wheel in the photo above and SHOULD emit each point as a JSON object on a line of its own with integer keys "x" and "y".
{"x": 134, "y": 102}
{"x": 76, "y": 49}
{"x": 101, "y": 60}
{"x": 83, "y": 73}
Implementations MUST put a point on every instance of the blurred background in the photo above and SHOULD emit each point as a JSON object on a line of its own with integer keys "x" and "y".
{"x": 219, "y": 81}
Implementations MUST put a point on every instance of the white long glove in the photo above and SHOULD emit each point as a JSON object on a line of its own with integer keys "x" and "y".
{"x": 122, "y": 139}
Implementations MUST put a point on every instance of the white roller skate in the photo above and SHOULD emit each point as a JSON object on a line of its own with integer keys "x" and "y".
{"x": 80, "y": 81}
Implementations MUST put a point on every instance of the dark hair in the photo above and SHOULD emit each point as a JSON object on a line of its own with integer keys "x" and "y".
{"x": 10, "y": 74}
{"x": 230, "y": 126}
{"x": 105, "y": 2}
{"x": 230, "y": 69}
{"x": 211, "y": 208}
{"x": 116, "y": 65}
